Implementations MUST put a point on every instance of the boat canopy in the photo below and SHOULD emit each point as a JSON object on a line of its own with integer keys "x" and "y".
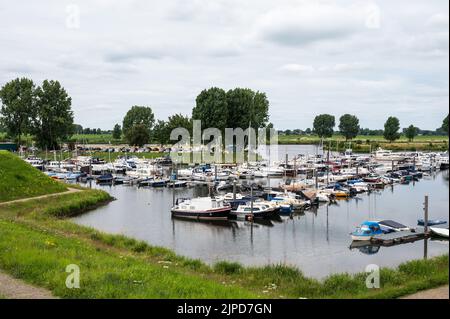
{"x": 371, "y": 225}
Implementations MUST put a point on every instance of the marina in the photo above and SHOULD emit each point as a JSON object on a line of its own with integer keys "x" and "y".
{"x": 312, "y": 223}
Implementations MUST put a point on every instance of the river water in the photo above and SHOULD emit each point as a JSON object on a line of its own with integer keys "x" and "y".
{"x": 317, "y": 242}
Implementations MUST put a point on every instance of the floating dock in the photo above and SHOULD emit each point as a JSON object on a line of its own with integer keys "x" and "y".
{"x": 400, "y": 237}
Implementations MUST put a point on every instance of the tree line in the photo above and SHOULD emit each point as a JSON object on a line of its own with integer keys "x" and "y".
{"x": 349, "y": 127}
{"x": 45, "y": 112}
{"x": 215, "y": 107}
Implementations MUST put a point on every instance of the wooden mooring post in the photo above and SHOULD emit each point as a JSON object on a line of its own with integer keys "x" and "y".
{"x": 425, "y": 220}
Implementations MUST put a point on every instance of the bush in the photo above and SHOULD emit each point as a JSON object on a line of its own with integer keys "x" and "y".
{"x": 226, "y": 267}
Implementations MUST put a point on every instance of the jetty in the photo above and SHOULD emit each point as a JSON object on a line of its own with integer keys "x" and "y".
{"x": 401, "y": 237}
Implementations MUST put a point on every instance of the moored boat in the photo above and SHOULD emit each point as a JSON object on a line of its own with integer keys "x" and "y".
{"x": 201, "y": 208}
{"x": 431, "y": 222}
{"x": 106, "y": 178}
{"x": 366, "y": 231}
{"x": 441, "y": 232}
{"x": 259, "y": 210}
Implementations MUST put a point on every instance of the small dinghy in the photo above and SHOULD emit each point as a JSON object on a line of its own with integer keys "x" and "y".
{"x": 146, "y": 182}
{"x": 106, "y": 178}
{"x": 160, "y": 183}
{"x": 431, "y": 222}
{"x": 441, "y": 232}
{"x": 366, "y": 231}
{"x": 177, "y": 184}
{"x": 260, "y": 210}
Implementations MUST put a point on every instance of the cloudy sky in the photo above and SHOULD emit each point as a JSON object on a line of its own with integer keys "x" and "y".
{"x": 369, "y": 58}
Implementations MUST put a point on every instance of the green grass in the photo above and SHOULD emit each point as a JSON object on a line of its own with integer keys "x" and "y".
{"x": 37, "y": 243}
{"x": 20, "y": 180}
{"x": 102, "y": 274}
{"x": 95, "y": 139}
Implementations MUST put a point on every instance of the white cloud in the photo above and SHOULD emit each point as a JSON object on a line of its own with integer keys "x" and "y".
{"x": 297, "y": 68}
{"x": 438, "y": 20}
{"x": 298, "y": 25}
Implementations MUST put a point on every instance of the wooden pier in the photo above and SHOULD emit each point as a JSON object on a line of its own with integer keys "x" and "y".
{"x": 400, "y": 237}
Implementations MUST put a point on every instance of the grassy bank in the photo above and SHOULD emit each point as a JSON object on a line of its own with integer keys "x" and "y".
{"x": 37, "y": 243}
{"x": 367, "y": 143}
{"x": 19, "y": 180}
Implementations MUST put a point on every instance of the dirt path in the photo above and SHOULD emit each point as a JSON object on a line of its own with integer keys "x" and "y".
{"x": 12, "y": 288}
{"x": 71, "y": 190}
{"x": 436, "y": 293}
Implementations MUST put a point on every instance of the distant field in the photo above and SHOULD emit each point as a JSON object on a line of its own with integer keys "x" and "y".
{"x": 95, "y": 139}
{"x": 366, "y": 143}
{"x": 20, "y": 180}
{"x": 26, "y": 139}
{"x": 376, "y": 138}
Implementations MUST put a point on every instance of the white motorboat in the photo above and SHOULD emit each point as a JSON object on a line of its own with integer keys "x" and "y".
{"x": 441, "y": 232}
{"x": 260, "y": 210}
{"x": 387, "y": 155}
{"x": 35, "y": 162}
{"x": 206, "y": 208}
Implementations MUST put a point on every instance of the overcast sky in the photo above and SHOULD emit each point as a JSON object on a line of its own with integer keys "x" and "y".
{"x": 369, "y": 58}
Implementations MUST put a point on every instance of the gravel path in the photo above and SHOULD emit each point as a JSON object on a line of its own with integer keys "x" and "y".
{"x": 71, "y": 190}
{"x": 12, "y": 288}
{"x": 436, "y": 293}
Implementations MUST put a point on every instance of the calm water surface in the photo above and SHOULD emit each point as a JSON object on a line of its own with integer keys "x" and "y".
{"x": 317, "y": 242}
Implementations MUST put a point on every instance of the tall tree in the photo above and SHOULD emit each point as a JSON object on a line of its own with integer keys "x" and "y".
{"x": 247, "y": 107}
{"x": 445, "y": 125}
{"x": 324, "y": 125}
{"x": 391, "y": 128}
{"x": 53, "y": 122}
{"x": 18, "y": 98}
{"x": 138, "y": 115}
{"x": 117, "y": 132}
{"x": 77, "y": 129}
{"x": 411, "y": 132}
{"x": 179, "y": 121}
{"x": 260, "y": 114}
{"x": 160, "y": 132}
{"x": 349, "y": 126}
{"x": 138, "y": 135}
{"x": 211, "y": 108}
